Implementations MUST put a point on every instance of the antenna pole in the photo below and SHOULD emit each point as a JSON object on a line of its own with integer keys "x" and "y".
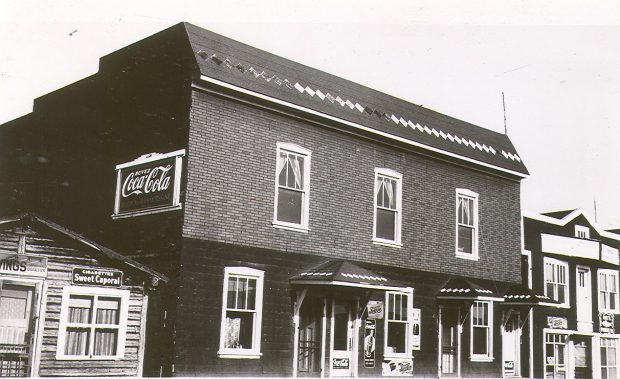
{"x": 595, "y": 216}
{"x": 504, "y": 104}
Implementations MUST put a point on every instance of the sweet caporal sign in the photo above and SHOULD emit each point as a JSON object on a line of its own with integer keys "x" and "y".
{"x": 148, "y": 184}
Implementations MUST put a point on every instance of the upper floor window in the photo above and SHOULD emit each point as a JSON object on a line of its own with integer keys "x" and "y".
{"x": 398, "y": 324}
{"x": 556, "y": 280}
{"x": 482, "y": 331}
{"x": 582, "y": 231}
{"x": 387, "y": 218}
{"x": 466, "y": 224}
{"x": 292, "y": 187}
{"x": 608, "y": 290}
{"x": 240, "y": 330}
{"x": 93, "y": 323}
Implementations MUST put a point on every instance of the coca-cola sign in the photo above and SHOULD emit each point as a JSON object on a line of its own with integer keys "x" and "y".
{"x": 148, "y": 184}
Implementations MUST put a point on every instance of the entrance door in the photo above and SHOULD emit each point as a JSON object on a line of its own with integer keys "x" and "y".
{"x": 449, "y": 319}
{"x": 511, "y": 346}
{"x": 584, "y": 300}
{"x": 310, "y": 328}
{"x": 16, "y": 302}
{"x": 342, "y": 339}
{"x": 583, "y": 357}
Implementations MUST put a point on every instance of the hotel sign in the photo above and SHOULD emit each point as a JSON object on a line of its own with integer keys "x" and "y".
{"x": 97, "y": 277}
{"x": 148, "y": 184}
{"x": 23, "y": 265}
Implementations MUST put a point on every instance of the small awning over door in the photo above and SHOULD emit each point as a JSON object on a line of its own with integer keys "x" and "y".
{"x": 346, "y": 274}
{"x": 462, "y": 289}
{"x": 519, "y": 295}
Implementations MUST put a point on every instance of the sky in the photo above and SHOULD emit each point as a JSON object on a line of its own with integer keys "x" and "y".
{"x": 557, "y": 63}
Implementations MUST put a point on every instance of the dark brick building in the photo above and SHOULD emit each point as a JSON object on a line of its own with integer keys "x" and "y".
{"x": 309, "y": 226}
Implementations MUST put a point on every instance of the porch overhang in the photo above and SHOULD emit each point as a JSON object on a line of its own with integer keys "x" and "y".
{"x": 457, "y": 289}
{"x": 518, "y": 295}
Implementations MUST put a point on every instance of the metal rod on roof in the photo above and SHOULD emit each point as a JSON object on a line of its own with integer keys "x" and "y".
{"x": 504, "y": 104}
{"x": 595, "y": 216}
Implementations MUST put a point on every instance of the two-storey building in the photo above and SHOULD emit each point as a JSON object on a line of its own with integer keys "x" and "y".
{"x": 310, "y": 226}
{"x": 575, "y": 263}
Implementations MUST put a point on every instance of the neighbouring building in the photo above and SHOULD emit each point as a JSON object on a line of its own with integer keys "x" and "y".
{"x": 575, "y": 263}
{"x": 65, "y": 300}
{"x": 310, "y": 226}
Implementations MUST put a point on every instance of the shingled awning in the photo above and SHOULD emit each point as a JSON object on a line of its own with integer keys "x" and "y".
{"x": 462, "y": 289}
{"x": 347, "y": 274}
{"x": 520, "y": 295}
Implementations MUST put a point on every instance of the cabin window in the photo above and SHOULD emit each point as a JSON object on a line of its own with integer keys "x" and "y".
{"x": 466, "y": 224}
{"x": 608, "y": 291}
{"x": 482, "y": 331}
{"x": 292, "y": 187}
{"x": 387, "y": 218}
{"x": 240, "y": 331}
{"x": 93, "y": 323}
{"x": 556, "y": 280}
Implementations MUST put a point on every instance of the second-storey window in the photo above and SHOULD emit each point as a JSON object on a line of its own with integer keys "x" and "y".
{"x": 397, "y": 325}
{"x": 240, "y": 330}
{"x": 482, "y": 330}
{"x": 608, "y": 290}
{"x": 292, "y": 186}
{"x": 556, "y": 280}
{"x": 387, "y": 206}
{"x": 466, "y": 223}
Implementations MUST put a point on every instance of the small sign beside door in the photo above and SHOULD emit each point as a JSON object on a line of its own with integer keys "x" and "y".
{"x": 375, "y": 310}
{"x": 96, "y": 277}
{"x": 370, "y": 330}
{"x": 340, "y": 363}
{"x": 416, "y": 328}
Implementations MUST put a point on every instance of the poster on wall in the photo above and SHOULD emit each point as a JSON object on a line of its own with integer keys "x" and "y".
{"x": 370, "y": 330}
{"x": 397, "y": 367}
{"x": 148, "y": 184}
{"x": 374, "y": 310}
{"x": 416, "y": 324}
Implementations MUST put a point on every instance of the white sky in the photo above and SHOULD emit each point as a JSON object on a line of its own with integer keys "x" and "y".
{"x": 558, "y": 63}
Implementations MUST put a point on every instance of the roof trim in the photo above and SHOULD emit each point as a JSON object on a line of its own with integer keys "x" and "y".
{"x": 287, "y": 104}
{"x": 570, "y": 217}
{"x": 93, "y": 245}
{"x": 350, "y": 284}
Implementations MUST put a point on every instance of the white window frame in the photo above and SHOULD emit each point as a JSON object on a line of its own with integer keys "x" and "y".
{"x": 488, "y": 357}
{"x": 615, "y": 341}
{"x": 556, "y": 262}
{"x": 555, "y": 343}
{"x": 67, "y": 291}
{"x": 305, "y": 206}
{"x": 582, "y": 232}
{"x": 462, "y": 192}
{"x": 254, "y": 352}
{"x": 408, "y": 322}
{"x": 607, "y": 273}
{"x": 386, "y": 172}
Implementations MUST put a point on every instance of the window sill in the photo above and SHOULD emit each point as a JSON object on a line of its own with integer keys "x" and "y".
{"x": 240, "y": 355}
{"x": 291, "y": 227}
{"x": 467, "y": 256}
{"x": 387, "y": 243}
{"x": 85, "y": 358}
{"x": 481, "y": 359}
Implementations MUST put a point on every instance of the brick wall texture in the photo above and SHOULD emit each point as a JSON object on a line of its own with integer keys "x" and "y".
{"x": 230, "y": 194}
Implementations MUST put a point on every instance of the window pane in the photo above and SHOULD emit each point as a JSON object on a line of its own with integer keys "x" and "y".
{"x": 239, "y": 330}
{"x": 105, "y": 342}
{"x": 251, "y": 294}
{"x": 403, "y": 312}
{"x": 397, "y": 336}
{"x": 77, "y": 341}
{"x": 465, "y": 239}
{"x": 341, "y": 327}
{"x": 80, "y": 309}
{"x": 232, "y": 293}
{"x": 397, "y": 307}
{"x": 108, "y": 310}
{"x": 390, "y": 306}
{"x": 480, "y": 341}
{"x": 289, "y": 205}
{"x": 386, "y": 224}
{"x": 561, "y": 294}
{"x": 241, "y": 292}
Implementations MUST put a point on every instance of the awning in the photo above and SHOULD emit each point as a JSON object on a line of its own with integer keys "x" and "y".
{"x": 343, "y": 273}
{"x": 462, "y": 289}
{"x": 519, "y": 295}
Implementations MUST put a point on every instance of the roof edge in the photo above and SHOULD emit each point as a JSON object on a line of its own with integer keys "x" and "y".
{"x": 570, "y": 217}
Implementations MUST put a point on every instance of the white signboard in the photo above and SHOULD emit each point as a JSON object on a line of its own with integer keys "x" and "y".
{"x": 23, "y": 265}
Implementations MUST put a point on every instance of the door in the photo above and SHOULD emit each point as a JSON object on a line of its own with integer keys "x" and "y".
{"x": 584, "y": 300}
{"x": 511, "y": 346}
{"x": 449, "y": 319}
{"x": 310, "y": 337}
{"x": 342, "y": 351}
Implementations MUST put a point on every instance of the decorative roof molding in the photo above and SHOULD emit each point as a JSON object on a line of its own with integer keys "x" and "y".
{"x": 570, "y": 217}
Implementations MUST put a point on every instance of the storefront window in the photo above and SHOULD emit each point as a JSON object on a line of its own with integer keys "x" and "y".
{"x": 93, "y": 323}
{"x": 609, "y": 353}
{"x": 482, "y": 330}
{"x": 398, "y": 323}
{"x": 555, "y": 356}
{"x": 241, "y": 318}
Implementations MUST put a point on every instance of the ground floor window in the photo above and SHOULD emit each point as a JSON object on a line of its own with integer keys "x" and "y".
{"x": 555, "y": 356}
{"x": 482, "y": 330}
{"x": 397, "y": 324}
{"x": 93, "y": 323}
{"x": 609, "y": 351}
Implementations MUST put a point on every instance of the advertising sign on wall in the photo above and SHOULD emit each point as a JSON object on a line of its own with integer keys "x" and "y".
{"x": 370, "y": 334}
{"x": 397, "y": 367}
{"x": 416, "y": 328}
{"x": 340, "y": 363}
{"x": 557, "y": 322}
{"x": 375, "y": 310}
{"x": 148, "y": 184}
{"x": 97, "y": 277}
{"x": 607, "y": 322}
{"x": 23, "y": 265}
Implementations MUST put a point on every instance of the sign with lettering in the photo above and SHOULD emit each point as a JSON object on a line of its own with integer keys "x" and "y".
{"x": 397, "y": 367}
{"x": 97, "y": 277}
{"x": 340, "y": 363}
{"x": 557, "y": 322}
{"x": 148, "y": 184}
{"x": 370, "y": 337}
{"x": 509, "y": 367}
{"x": 416, "y": 328}
{"x": 607, "y": 322}
{"x": 23, "y": 265}
{"x": 375, "y": 310}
